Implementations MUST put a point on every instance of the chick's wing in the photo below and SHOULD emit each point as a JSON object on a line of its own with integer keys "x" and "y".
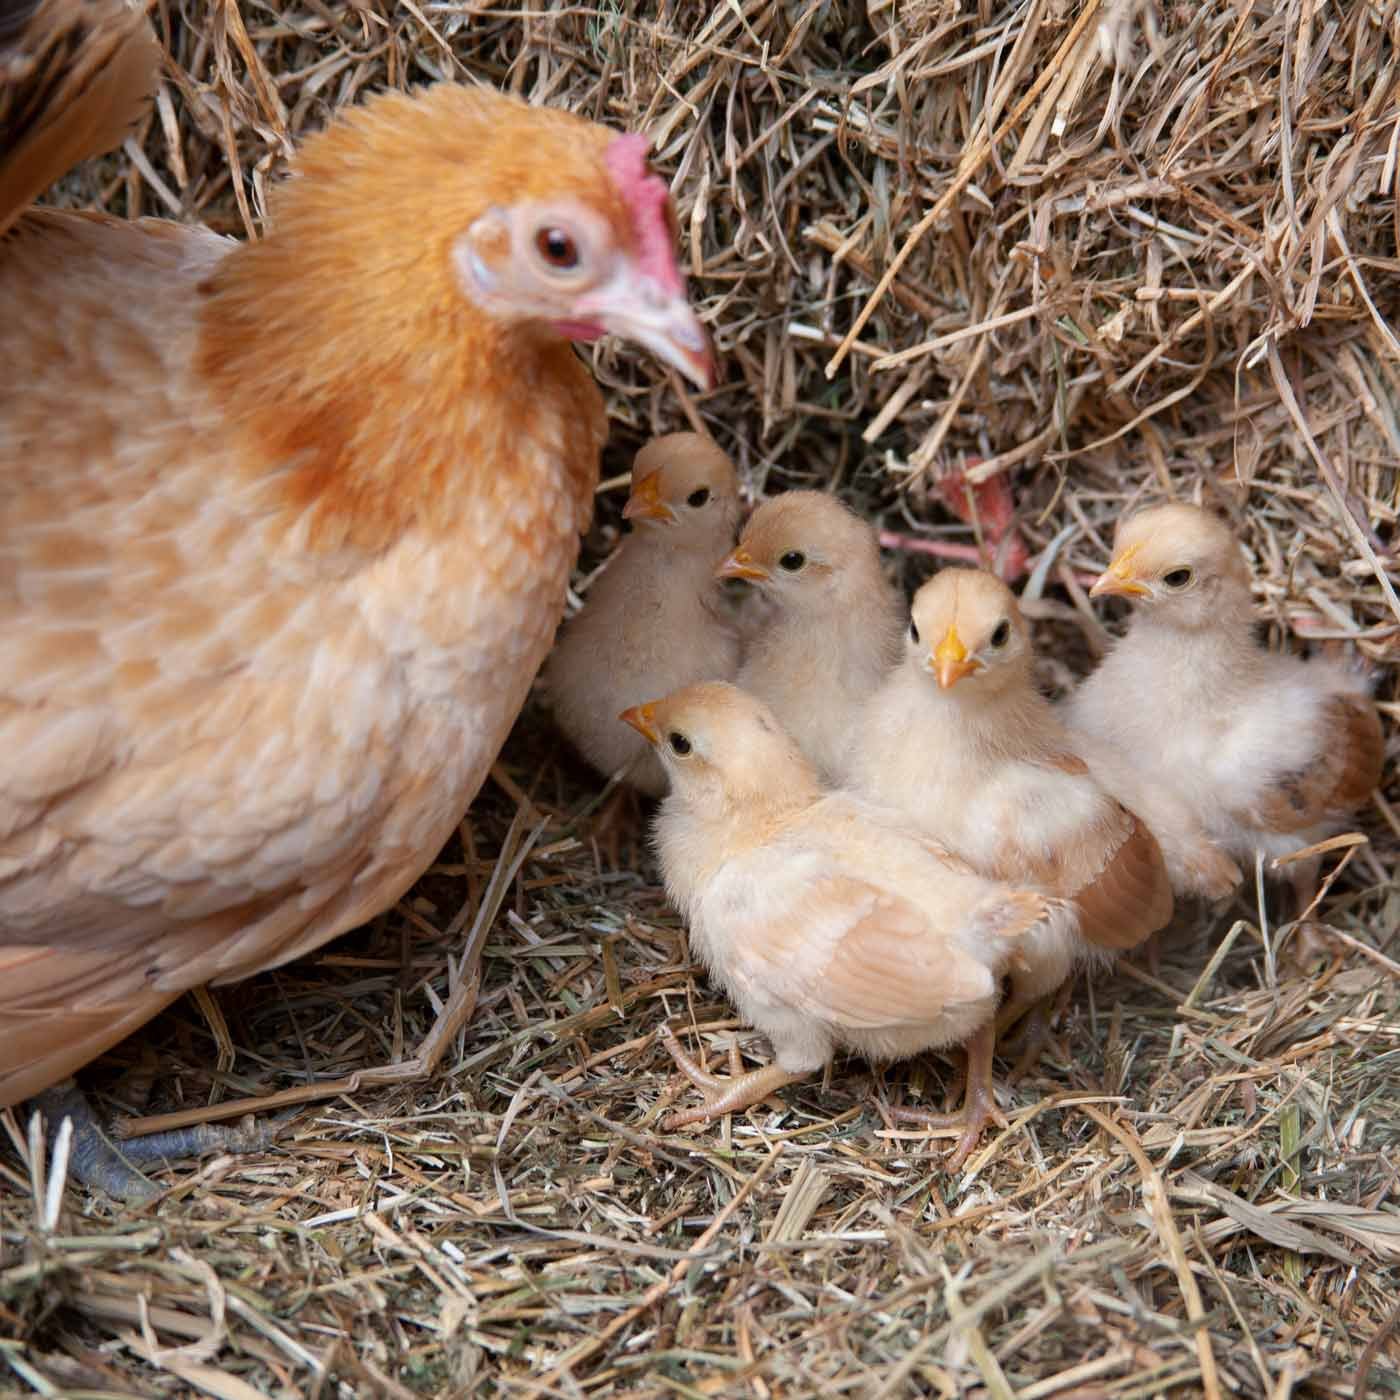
{"x": 838, "y": 947}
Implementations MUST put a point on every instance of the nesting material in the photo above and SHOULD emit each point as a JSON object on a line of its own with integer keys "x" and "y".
{"x": 1100, "y": 253}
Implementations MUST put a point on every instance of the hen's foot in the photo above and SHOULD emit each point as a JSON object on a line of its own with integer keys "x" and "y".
{"x": 979, "y": 1103}
{"x": 112, "y": 1164}
{"x": 723, "y": 1093}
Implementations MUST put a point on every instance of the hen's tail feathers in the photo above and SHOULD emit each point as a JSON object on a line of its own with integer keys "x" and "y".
{"x": 74, "y": 76}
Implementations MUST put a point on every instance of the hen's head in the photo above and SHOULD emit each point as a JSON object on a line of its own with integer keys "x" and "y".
{"x": 965, "y": 626}
{"x": 1180, "y": 563}
{"x": 464, "y": 197}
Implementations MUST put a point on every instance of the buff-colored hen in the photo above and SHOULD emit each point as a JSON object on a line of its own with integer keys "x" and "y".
{"x": 656, "y": 619}
{"x": 285, "y": 527}
{"x": 961, "y": 741}
{"x": 1225, "y": 749}
{"x": 830, "y": 623}
{"x": 831, "y": 921}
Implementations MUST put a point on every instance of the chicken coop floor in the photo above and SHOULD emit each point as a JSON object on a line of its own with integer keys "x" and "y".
{"x": 1167, "y": 272}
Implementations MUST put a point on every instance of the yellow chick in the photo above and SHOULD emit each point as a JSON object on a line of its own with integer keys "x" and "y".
{"x": 833, "y": 622}
{"x": 959, "y": 739}
{"x": 655, "y": 619}
{"x": 831, "y": 922}
{"x": 1244, "y": 750}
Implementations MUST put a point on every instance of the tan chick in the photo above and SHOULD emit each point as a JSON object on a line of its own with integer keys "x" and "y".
{"x": 960, "y": 740}
{"x": 831, "y": 922}
{"x": 832, "y": 623}
{"x": 655, "y": 620}
{"x": 1244, "y": 751}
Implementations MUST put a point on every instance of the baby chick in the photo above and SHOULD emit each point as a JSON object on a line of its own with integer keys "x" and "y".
{"x": 833, "y": 623}
{"x": 655, "y": 619}
{"x": 831, "y": 922}
{"x": 1256, "y": 753}
{"x": 960, "y": 740}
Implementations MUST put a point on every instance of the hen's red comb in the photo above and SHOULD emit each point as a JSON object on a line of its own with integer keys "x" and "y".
{"x": 646, "y": 196}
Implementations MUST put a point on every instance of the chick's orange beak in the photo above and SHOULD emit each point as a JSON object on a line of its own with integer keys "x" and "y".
{"x": 1120, "y": 579}
{"x": 645, "y": 502}
{"x": 951, "y": 661}
{"x": 642, "y": 718}
{"x": 740, "y": 564}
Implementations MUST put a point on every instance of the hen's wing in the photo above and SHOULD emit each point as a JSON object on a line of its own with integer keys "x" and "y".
{"x": 74, "y": 76}
{"x": 1342, "y": 775}
{"x": 195, "y": 727}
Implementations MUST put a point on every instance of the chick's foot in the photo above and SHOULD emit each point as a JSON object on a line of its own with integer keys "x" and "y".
{"x": 979, "y": 1101}
{"x": 724, "y": 1093}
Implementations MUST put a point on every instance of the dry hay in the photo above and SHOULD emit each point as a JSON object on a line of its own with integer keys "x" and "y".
{"x": 1134, "y": 249}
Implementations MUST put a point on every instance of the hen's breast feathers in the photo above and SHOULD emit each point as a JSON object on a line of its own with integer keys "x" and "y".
{"x": 223, "y": 747}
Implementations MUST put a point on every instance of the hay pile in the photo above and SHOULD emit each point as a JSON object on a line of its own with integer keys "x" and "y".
{"x": 1108, "y": 251}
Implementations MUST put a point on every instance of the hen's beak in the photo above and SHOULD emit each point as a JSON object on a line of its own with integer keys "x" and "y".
{"x": 951, "y": 661}
{"x": 642, "y": 718}
{"x": 645, "y": 502}
{"x": 638, "y": 308}
{"x": 740, "y": 565}
{"x": 1120, "y": 579}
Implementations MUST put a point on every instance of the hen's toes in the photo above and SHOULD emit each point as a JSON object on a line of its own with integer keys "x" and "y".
{"x": 110, "y": 1164}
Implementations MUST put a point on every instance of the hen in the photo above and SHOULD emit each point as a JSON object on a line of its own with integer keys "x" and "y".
{"x": 285, "y": 526}
{"x": 1245, "y": 752}
{"x": 831, "y": 921}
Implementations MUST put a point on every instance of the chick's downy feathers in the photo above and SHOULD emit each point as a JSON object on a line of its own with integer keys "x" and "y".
{"x": 959, "y": 739}
{"x": 832, "y": 922}
{"x": 831, "y": 622}
{"x": 1228, "y": 749}
{"x": 655, "y": 620}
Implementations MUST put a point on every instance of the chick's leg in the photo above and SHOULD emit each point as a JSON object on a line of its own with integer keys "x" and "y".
{"x": 724, "y": 1093}
{"x": 111, "y": 1164}
{"x": 1035, "y": 1015}
{"x": 979, "y": 1102}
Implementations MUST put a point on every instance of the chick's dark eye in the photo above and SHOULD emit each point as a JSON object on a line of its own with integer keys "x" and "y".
{"x": 678, "y": 742}
{"x": 557, "y": 248}
{"x": 1178, "y": 578}
{"x": 913, "y": 631}
{"x": 1002, "y": 635}
{"x": 698, "y": 498}
{"x": 793, "y": 560}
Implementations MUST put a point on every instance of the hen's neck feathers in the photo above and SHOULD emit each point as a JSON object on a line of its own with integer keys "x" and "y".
{"x": 344, "y": 348}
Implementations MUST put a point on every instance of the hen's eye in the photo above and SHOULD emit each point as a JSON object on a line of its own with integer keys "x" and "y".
{"x": 792, "y": 561}
{"x": 557, "y": 248}
{"x": 913, "y": 631}
{"x": 1178, "y": 578}
{"x": 1002, "y": 635}
{"x": 698, "y": 498}
{"x": 679, "y": 743}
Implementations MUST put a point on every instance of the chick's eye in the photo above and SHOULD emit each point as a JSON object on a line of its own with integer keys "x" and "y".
{"x": 679, "y": 743}
{"x": 557, "y": 248}
{"x": 1002, "y": 635}
{"x": 1178, "y": 578}
{"x": 792, "y": 561}
{"x": 913, "y": 631}
{"x": 698, "y": 498}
